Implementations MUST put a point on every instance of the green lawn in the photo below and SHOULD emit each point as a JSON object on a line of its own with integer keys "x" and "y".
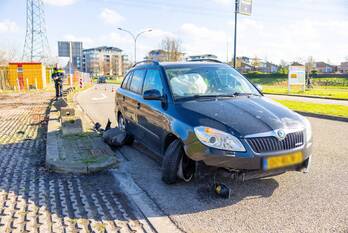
{"x": 324, "y": 109}
{"x": 329, "y": 92}
{"x": 324, "y": 87}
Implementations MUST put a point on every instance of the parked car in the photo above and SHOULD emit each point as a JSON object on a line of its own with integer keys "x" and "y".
{"x": 207, "y": 112}
{"x": 101, "y": 79}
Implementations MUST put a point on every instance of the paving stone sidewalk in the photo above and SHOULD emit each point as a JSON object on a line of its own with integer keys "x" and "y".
{"x": 34, "y": 200}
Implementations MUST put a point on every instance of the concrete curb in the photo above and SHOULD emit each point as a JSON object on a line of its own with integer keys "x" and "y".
{"x": 52, "y": 152}
{"x": 80, "y": 107}
{"x": 155, "y": 217}
{"x": 326, "y": 117}
{"x": 53, "y": 161}
{"x": 306, "y": 96}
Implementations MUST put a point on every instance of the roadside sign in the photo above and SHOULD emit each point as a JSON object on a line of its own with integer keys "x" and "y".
{"x": 69, "y": 49}
{"x": 297, "y": 76}
{"x": 245, "y": 7}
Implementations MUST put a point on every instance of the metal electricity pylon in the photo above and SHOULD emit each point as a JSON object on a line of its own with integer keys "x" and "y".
{"x": 36, "y": 46}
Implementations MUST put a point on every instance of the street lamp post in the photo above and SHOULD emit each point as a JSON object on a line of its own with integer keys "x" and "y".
{"x": 235, "y": 34}
{"x": 135, "y": 38}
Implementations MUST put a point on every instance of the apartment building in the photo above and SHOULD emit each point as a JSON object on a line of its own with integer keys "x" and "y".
{"x": 104, "y": 61}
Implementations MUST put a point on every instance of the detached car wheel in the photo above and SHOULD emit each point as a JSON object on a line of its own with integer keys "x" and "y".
{"x": 121, "y": 123}
{"x": 176, "y": 164}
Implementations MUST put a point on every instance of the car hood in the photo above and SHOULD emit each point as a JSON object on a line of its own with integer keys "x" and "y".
{"x": 239, "y": 115}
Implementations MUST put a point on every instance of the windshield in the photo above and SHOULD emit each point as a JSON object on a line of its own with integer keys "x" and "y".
{"x": 208, "y": 81}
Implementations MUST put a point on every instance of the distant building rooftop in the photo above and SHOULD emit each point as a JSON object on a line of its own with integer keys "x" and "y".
{"x": 104, "y": 48}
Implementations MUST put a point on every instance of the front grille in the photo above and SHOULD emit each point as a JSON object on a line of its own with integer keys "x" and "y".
{"x": 272, "y": 144}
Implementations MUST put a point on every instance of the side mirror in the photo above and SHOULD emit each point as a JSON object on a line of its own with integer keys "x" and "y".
{"x": 259, "y": 87}
{"x": 152, "y": 95}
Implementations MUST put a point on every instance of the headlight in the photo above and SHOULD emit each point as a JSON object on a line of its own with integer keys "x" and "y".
{"x": 308, "y": 129}
{"x": 218, "y": 139}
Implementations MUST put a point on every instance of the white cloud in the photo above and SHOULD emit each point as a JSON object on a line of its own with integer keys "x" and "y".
{"x": 199, "y": 40}
{"x": 111, "y": 16}
{"x": 7, "y": 26}
{"x": 85, "y": 40}
{"x": 158, "y": 34}
{"x": 289, "y": 41}
{"x": 60, "y": 2}
{"x": 223, "y": 2}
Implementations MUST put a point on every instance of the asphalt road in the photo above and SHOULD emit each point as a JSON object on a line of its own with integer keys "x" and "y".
{"x": 292, "y": 202}
{"x": 99, "y": 103}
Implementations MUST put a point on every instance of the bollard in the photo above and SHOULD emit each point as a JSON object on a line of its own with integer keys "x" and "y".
{"x": 36, "y": 83}
{"x": 18, "y": 85}
{"x": 28, "y": 85}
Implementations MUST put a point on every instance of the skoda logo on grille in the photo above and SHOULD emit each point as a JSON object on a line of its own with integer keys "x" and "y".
{"x": 281, "y": 135}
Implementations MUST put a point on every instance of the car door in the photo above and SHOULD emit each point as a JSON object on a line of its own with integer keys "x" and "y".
{"x": 151, "y": 117}
{"x": 133, "y": 102}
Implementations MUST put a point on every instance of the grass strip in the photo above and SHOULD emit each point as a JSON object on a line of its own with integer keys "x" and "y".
{"x": 323, "y": 109}
{"x": 326, "y": 92}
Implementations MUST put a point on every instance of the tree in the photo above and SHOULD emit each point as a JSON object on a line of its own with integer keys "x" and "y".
{"x": 284, "y": 67}
{"x": 172, "y": 48}
{"x": 256, "y": 62}
{"x": 3, "y": 60}
{"x": 7, "y": 56}
{"x": 310, "y": 64}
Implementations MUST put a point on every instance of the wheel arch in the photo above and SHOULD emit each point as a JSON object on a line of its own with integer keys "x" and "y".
{"x": 168, "y": 139}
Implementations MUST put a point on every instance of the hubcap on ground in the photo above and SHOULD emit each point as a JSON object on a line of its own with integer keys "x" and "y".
{"x": 120, "y": 123}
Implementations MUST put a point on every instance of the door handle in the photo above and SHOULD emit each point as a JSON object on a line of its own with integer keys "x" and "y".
{"x": 138, "y": 105}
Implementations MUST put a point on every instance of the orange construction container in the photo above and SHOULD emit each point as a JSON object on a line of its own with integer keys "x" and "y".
{"x": 27, "y": 75}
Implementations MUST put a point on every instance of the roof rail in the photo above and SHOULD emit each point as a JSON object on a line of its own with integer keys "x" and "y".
{"x": 146, "y": 61}
{"x": 204, "y": 59}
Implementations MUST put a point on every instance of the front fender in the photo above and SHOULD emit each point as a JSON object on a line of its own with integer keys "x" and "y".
{"x": 183, "y": 131}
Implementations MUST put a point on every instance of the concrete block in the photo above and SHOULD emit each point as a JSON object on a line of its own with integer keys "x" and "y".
{"x": 66, "y": 111}
{"x": 71, "y": 125}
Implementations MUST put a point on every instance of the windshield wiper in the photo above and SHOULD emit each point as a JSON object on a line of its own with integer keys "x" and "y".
{"x": 214, "y": 96}
{"x": 244, "y": 94}
{"x": 204, "y": 96}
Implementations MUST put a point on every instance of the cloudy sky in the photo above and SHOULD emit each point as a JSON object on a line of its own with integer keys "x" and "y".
{"x": 277, "y": 29}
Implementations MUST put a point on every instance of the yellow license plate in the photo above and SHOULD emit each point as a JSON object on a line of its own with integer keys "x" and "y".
{"x": 282, "y": 161}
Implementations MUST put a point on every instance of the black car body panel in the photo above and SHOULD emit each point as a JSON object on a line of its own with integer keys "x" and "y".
{"x": 155, "y": 122}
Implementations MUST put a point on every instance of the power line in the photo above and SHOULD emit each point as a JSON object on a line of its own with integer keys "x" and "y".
{"x": 204, "y": 9}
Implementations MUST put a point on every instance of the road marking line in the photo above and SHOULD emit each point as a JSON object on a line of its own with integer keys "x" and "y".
{"x": 100, "y": 98}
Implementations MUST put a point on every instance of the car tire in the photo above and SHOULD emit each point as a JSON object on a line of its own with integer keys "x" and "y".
{"x": 129, "y": 138}
{"x": 172, "y": 160}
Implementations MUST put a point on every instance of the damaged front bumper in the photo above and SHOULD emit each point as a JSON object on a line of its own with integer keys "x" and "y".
{"x": 246, "y": 165}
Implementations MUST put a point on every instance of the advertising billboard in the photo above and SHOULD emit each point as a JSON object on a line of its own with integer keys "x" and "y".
{"x": 297, "y": 76}
{"x": 245, "y": 7}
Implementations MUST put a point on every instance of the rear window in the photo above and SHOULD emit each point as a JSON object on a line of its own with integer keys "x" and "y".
{"x": 137, "y": 81}
{"x": 126, "y": 80}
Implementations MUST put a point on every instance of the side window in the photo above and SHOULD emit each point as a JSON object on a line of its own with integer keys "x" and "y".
{"x": 153, "y": 81}
{"x": 126, "y": 80}
{"x": 137, "y": 81}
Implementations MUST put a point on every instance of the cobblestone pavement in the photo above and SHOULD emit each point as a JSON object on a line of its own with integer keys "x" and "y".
{"x": 34, "y": 200}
